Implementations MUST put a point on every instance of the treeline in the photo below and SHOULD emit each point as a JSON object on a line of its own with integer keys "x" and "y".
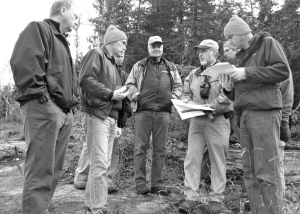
{"x": 182, "y": 24}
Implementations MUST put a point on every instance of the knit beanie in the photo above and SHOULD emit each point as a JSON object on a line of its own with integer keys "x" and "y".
{"x": 236, "y": 26}
{"x": 229, "y": 45}
{"x": 113, "y": 34}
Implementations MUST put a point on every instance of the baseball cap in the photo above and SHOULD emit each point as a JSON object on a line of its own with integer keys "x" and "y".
{"x": 154, "y": 39}
{"x": 208, "y": 43}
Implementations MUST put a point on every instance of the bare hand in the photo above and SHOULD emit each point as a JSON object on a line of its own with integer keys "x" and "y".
{"x": 239, "y": 74}
{"x": 226, "y": 82}
{"x": 120, "y": 94}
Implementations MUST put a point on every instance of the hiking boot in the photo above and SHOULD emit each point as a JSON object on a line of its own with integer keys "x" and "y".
{"x": 87, "y": 210}
{"x": 160, "y": 190}
{"x": 80, "y": 183}
{"x": 112, "y": 189}
{"x": 142, "y": 189}
{"x": 187, "y": 205}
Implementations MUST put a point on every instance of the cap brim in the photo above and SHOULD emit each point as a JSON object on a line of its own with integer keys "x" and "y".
{"x": 155, "y": 42}
{"x": 202, "y": 47}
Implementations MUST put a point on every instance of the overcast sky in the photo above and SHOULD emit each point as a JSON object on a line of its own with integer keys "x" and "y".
{"x": 16, "y": 14}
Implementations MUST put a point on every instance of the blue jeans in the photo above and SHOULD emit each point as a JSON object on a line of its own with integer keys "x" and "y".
{"x": 100, "y": 136}
{"x": 145, "y": 123}
{"x": 262, "y": 160}
{"x": 47, "y": 132}
{"x": 83, "y": 166}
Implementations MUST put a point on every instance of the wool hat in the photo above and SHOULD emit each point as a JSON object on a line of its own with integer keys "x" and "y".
{"x": 113, "y": 34}
{"x": 236, "y": 26}
{"x": 229, "y": 45}
{"x": 208, "y": 43}
{"x": 154, "y": 39}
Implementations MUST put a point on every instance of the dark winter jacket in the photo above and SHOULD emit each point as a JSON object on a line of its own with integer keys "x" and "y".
{"x": 266, "y": 67}
{"x": 41, "y": 63}
{"x": 98, "y": 78}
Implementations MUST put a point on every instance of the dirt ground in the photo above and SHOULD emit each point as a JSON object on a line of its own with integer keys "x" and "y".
{"x": 67, "y": 199}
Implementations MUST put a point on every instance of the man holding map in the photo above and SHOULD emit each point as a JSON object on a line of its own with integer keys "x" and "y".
{"x": 262, "y": 89}
{"x": 205, "y": 90}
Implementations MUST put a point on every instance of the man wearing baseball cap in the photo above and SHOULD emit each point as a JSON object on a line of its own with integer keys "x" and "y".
{"x": 205, "y": 90}
{"x": 262, "y": 89}
{"x": 101, "y": 101}
{"x": 153, "y": 82}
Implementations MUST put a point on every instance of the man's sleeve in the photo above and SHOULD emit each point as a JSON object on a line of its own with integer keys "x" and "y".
{"x": 287, "y": 90}
{"x": 187, "y": 93}
{"x": 221, "y": 103}
{"x": 28, "y": 61}
{"x": 177, "y": 84}
{"x": 277, "y": 69}
{"x": 88, "y": 76}
{"x": 132, "y": 84}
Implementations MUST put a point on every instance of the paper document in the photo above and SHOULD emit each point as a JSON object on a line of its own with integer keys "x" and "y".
{"x": 219, "y": 68}
{"x": 189, "y": 110}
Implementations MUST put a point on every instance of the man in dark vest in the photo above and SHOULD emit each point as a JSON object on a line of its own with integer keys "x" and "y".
{"x": 152, "y": 83}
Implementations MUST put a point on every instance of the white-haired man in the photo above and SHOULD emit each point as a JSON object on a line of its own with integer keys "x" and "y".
{"x": 205, "y": 90}
{"x": 153, "y": 82}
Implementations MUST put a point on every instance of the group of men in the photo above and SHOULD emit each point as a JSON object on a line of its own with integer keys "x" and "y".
{"x": 259, "y": 90}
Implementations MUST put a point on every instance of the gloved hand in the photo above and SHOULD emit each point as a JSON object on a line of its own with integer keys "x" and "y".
{"x": 226, "y": 82}
{"x": 285, "y": 133}
{"x": 120, "y": 94}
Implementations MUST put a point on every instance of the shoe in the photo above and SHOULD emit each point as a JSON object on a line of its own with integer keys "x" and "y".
{"x": 217, "y": 207}
{"x": 87, "y": 210}
{"x": 187, "y": 205}
{"x": 160, "y": 190}
{"x": 80, "y": 184}
{"x": 112, "y": 189}
{"x": 247, "y": 206}
{"x": 142, "y": 189}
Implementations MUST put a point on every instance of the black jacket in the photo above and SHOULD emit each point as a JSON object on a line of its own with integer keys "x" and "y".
{"x": 41, "y": 62}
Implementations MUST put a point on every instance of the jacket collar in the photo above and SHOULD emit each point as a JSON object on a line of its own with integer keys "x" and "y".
{"x": 55, "y": 28}
{"x": 254, "y": 43}
{"x": 107, "y": 53}
{"x": 144, "y": 61}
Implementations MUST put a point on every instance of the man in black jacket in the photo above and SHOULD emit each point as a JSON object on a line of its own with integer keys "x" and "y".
{"x": 101, "y": 95}
{"x": 43, "y": 72}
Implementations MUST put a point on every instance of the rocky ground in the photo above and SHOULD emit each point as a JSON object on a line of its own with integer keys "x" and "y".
{"x": 67, "y": 199}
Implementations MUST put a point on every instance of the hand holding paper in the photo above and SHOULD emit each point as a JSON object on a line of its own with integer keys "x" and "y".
{"x": 191, "y": 109}
{"x": 226, "y": 82}
{"x": 219, "y": 68}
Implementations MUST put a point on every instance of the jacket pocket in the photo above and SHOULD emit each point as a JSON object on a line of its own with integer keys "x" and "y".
{"x": 53, "y": 76}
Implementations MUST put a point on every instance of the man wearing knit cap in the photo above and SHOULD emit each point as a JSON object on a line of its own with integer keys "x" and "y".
{"x": 205, "y": 90}
{"x": 262, "y": 89}
{"x": 101, "y": 103}
{"x": 153, "y": 82}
